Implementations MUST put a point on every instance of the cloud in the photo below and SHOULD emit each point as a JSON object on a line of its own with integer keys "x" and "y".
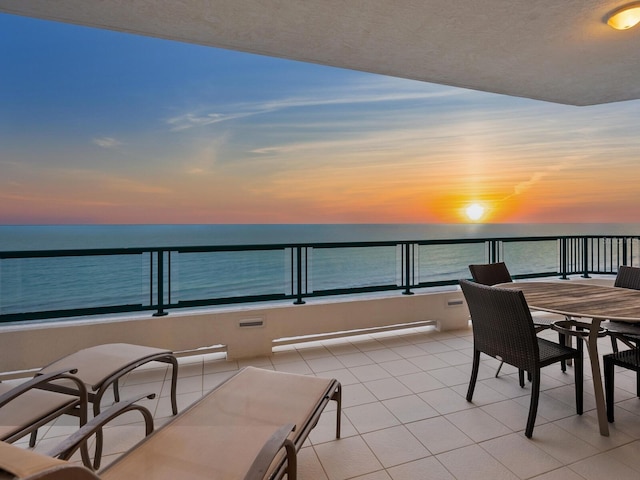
{"x": 107, "y": 142}
{"x": 536, "y": 178}
{"x": 367, "y": 93}
{"x": 190, "y": 120}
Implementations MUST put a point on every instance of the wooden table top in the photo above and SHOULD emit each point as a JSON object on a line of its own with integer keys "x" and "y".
{"x": 584, "y": 300}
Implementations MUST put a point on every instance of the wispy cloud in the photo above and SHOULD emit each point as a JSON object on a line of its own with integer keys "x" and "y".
{"x": 537, "y": 177}
{"x": 191, "y": 120}
{"x": 366, "y": 93}
{"x": 106, "y": 142}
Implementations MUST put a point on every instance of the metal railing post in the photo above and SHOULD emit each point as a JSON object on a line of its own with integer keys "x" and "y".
{"x": 585, "y": 257}
{"x": 407, "y": 268}
{"x": 298, "y": 267}
{"x": 160, "y": 285}
{"x": 563, "y": 258}
{"x": 493, "y": 251}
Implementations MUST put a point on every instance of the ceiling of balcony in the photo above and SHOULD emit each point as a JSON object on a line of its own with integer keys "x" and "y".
{"x": 559, "y": 51}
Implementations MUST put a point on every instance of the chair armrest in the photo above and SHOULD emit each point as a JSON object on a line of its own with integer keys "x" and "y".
{"x": 41, "y": 381}
{"x": 68, "y": 447}
{"x": 22, "y": 463}
{"x": 278, "y": 440}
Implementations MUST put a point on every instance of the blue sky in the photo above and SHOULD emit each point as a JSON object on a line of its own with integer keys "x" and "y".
{"x": 105, "y": 127}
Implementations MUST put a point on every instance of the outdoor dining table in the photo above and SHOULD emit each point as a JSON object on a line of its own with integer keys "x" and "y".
{"x": 592, "y": 304}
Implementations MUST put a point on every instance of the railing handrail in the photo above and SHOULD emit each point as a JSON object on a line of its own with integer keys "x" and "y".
{"x": 5, "y": 254}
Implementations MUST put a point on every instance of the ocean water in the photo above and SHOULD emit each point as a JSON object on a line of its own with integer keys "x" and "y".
{"x": 41, "y": 284}
{"x": 53, "y": 237}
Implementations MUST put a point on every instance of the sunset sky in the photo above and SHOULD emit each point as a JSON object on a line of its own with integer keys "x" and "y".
{"x": 104, "y": 127}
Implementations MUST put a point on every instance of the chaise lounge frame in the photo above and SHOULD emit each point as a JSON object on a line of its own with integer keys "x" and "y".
{"x": 238, "y": 430}
{"x": 101, "y": 367}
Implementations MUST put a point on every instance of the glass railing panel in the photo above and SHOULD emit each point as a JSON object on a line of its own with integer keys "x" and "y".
{"x": 531, "y": 257}
{"x": 450, "y": 262}
{"x": 208, "y": 275}
{"x": 634, "y": 252}
{"x": 352, "y": 267}
{"x": 60, "y": 283}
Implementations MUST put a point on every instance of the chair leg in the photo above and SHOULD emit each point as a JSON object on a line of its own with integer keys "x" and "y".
{"x": 98, "y": 450}
{"x": 533, "y": 408}
{"x": 337, "y": 397}
{"x": 614, "y": 344}
{"x": 609, "y": 386}
{"x": 474, "y": 374}
{"x": 499, "y": 367}
{"x": 579, "y": 375}
{"x": 32, "y": 438}
{"x": 562, "y": 340}
{"x": 521, "y": 377}
{"x": 116, "y": 391}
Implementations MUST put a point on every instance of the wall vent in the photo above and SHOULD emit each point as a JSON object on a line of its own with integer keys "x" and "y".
{"x": 251, "y": 322}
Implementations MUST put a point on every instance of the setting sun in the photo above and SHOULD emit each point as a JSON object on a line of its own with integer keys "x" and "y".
{"x": 474, "y": 212}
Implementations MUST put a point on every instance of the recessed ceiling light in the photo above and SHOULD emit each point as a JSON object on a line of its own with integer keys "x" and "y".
{"x": 624, "y": 17}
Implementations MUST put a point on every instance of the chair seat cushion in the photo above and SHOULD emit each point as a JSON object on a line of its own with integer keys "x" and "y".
{"x": 97, "y": 364}
{"x": 626, "y": 358}
{"x": 622, "y": 328}
{"x": 551, "y": 352}
{"x": 30, "y": 407}
{"x": 219, "y": 436}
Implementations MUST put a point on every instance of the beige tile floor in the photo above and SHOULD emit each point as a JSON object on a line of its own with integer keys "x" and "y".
{"x": 405, "y": 415}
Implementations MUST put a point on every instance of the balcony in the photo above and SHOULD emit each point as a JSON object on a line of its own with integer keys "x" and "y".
{"x": 401, "y": 349}
{"x": 247, "y": 299}
{"x": 405, "y": 415}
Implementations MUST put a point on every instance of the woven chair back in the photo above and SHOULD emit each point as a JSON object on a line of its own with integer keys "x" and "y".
{"x": 502, "y": 324}
{"x": 628, "y": 277}
{"x": 490, "y": 273}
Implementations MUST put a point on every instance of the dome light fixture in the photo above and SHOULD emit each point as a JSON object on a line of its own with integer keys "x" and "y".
{"x": 624, "y": 17}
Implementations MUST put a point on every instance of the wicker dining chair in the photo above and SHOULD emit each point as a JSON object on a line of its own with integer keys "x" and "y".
{"x": 629, "y": 359}
{"x": 503, "y": 328}
{"x": 490, "y": 273}
{"x": 629, "y": 334}
{"x": 495, "y": 273}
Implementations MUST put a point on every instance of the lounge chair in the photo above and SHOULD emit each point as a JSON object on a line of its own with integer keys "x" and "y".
{"x": 102, "y": 366}
{"x": 237, "y": 431}
{"x": 26, "y": 407}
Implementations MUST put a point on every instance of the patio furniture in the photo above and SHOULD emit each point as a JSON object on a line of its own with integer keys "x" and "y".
{"x": 490, "y": 273}
{"x": 503, "y": 328}
{"x": 496, "y": 273}
{"x": 627, "y": 277}
{"x": 102, "y": 366}
{"x": 237, "y": 431}
{"x": 25, "y": 408}
{"x": 629, "y": 359}
{"x": 589, "y": 305}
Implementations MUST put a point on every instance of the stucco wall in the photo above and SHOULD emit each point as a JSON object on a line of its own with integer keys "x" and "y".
{"x": 32, "y": 346}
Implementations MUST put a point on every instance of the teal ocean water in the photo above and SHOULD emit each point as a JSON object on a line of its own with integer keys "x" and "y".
{"x": 52, "y": 237}
{"x": 36, "y": 284}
